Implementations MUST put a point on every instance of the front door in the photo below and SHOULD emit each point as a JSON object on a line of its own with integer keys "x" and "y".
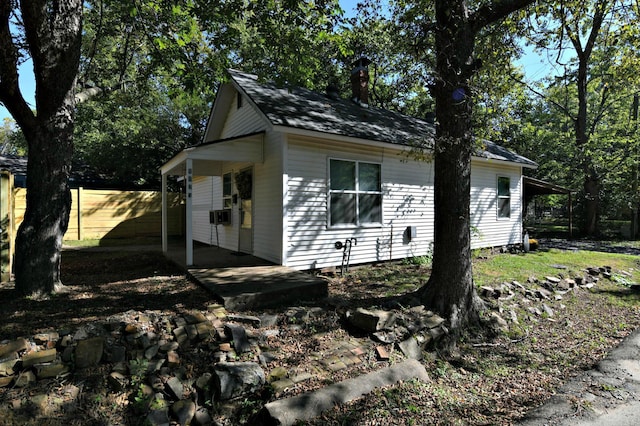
{"x": 245, "y": 189}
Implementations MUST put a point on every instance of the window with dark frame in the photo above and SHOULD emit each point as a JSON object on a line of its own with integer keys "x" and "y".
{"x": 504, "y": 197}
{"x": 355, "y": 193}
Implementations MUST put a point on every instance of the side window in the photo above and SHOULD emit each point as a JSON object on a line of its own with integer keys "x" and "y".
{"x": 239, "y": 100}
{"x": 355, "y": 193}
{"x": 504, "y": 197}
{"x": 226, "y": 191}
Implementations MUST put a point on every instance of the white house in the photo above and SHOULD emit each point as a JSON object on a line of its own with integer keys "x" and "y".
{"x": 286, "y": 173}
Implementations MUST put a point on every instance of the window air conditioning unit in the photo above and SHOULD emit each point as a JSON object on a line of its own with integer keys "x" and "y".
{"x": 220, "y": 217}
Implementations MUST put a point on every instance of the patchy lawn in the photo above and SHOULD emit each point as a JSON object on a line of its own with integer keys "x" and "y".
{"x": 485, "y": 382}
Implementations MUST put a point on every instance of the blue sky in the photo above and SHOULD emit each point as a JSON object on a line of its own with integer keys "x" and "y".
{"x": 536, "y": 67}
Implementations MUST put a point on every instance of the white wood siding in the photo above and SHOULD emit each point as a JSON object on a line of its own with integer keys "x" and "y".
{"x": 407, "y": 200}
{"x": 202, "y": 203}
{"x": 491, "y": 231}
{"x": 267, "y": 200}
{"x": 242, "y": 121}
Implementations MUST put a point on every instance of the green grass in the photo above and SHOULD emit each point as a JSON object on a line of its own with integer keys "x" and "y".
{"x": 509, "y": 267}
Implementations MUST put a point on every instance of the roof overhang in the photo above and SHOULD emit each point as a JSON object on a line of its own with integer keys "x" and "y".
{"x": 207, "y": 158}
{"x": 534, "y": 186}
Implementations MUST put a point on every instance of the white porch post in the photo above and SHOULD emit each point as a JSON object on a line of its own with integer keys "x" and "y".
{"x": 165, "y": 231}
{"x": 189, "y": 211}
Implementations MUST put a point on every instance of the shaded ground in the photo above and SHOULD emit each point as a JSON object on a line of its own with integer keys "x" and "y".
{"x": 486, "y": 382}
{"x": 620, "y": 247}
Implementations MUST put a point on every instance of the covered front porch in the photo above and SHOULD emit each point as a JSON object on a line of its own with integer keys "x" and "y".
{"x": 205, "y": 160}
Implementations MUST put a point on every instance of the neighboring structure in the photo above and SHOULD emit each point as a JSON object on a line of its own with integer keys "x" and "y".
{"x": 286, "y": 174}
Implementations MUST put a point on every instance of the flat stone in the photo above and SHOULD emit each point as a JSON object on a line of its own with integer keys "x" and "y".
{"x": 184, "y": 410}
{"x": 24, "y": 379}
{"x": 277, "y": 374}
{"x": 42, "y": 338}
{"x": 498, "y": 323}
{"x": 17, "y": 345}
{"x": 487, "y": 292}
{"x": 518, "y": 285}
{"x": 151, "y": 351}
{"x": 5, "y": 381}
{"x": 41, "y": 403}
{"x": 337, "y": 366}
{"x": 39, "y": 357}
{"x": 245, "y": 319}
{"x": 173, "y": 359}
{"x": 434, "y": 321}
{"x": 382, "y": 353}
{"x": 233, "y": 379}
{"x": 7, "y": 367}
{"x": 157, "y": 418}
{"x": 385, "y": 336}
{"x": 239, "y": 337}
{"x": 302, "y": 377}
{"x": 45, "y": 371}
{"x": 282, "y": 385}
{"x": 306, "y": 406}
{"x": 268, "y": 320}
{"x": 202, "y": 382}
{"x": 195, "y": 317}
{"x": 180, "y": 333}
{"x": 175, "y": 388}
{"x": 205, "y": 329}
{"x": 543, "y": 294}
{"x": 169, "y": 346}
{"x": 192, "y": 331}
{"x": 202, "y": 417}
{"x": 89, "y": 352}
{"x": 410, "y": 348}
{"x": 117, "y": 381}
{"x": 371, "y": 321}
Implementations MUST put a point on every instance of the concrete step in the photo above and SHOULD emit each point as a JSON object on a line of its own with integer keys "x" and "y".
{"x": 255, "y": 287}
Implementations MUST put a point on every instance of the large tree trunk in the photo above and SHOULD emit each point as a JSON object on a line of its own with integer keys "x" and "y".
{"x": 450, "y": 290}
{"x": 53, "y": 31}
{"x": 39, "y": 238}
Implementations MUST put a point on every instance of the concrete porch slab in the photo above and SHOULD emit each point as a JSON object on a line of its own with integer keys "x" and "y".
{"x": 253, "y": 287}
{"x": 245, "y": 282}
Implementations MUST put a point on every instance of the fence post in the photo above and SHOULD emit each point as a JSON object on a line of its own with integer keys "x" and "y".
{"x": 79, "y": 210}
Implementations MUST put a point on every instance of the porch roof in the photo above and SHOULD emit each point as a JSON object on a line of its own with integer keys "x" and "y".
{"x": 207, "y": 158}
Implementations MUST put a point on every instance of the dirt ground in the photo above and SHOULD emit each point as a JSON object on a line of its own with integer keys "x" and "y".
{"x": 485, "y": 382}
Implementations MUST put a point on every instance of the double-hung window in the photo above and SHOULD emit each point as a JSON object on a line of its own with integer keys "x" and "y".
{"x": 504, "y": 197}
{"x": 226, "y": 191}
{"x": 355, "y": 193}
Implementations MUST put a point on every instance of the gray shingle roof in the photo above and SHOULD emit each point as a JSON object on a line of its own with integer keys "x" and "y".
{"x": 307, "y": 110}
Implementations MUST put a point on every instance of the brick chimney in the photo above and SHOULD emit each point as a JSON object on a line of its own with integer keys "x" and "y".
{"x": 360, "y": 82}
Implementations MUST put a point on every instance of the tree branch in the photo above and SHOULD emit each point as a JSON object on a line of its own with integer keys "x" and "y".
{"x": 495, "y": 11}
{"x": 561, "y": 107}
{"x": 10, "y": 95}
{"x": 53, "y": 31}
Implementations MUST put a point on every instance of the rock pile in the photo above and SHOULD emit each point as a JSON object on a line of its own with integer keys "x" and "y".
{"x": 537, "y": 296}
{"x": 144, "y": 352}
{"x": 410, "y": 329}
